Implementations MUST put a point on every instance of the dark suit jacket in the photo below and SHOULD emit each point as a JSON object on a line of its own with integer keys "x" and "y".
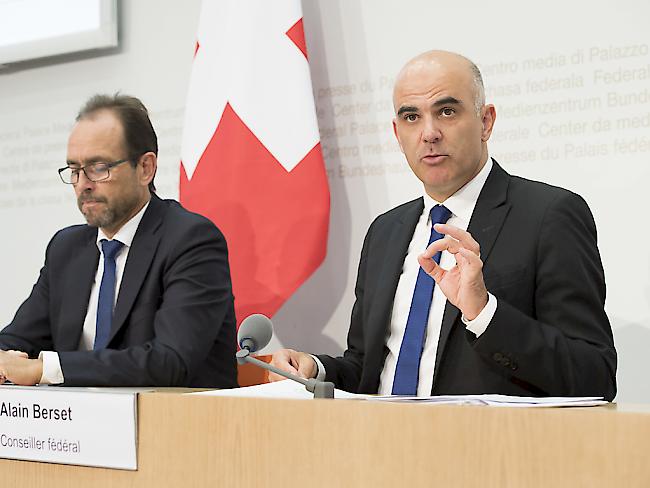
{"x": 174, "y": 322}
{"x": 550, "y": 334}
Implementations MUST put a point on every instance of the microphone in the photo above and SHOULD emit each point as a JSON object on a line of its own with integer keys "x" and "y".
{"x": 254, "y": 333}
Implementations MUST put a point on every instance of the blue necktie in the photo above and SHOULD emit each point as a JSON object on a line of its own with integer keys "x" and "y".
{"x": 408, "y": 362}
{"x": 106, "y": 294}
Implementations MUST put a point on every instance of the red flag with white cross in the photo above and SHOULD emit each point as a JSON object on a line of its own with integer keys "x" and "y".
{"x": 251, "y": 158}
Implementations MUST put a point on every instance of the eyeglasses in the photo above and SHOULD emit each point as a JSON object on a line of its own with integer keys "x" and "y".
{"x": 97, "y": 171}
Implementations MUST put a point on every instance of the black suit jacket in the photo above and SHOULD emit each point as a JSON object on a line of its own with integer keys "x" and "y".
{"x": 550, "y": 334}
{"x": 174, "y": 322}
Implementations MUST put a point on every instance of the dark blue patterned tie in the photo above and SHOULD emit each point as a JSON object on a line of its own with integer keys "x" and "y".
{"x": 106, "y": 294}
{"x": 408, "y": 362}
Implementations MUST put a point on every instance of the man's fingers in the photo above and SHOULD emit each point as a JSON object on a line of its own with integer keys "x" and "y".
{"x": 306, "y": 366}
{"x": 468, "y": 258}
{"x": 464, "y": 258}
{"x": 445, "y": 244}
{"x": 282, "y": 359}
{"x": 426, "y": 263}
{"x": 294, "y": 362}
{"x": 20, "y": 370}
{"x": 465, "y": 238}
{"x": 431, "y": 268}
{"x": 19, "y": 354}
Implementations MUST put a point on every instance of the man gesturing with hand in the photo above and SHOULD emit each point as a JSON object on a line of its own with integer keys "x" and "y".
{"x": 463, "y": 284}
{"x": 487, "y": 283}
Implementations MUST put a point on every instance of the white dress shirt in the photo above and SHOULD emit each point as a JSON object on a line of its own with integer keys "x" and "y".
{"x": 52, "y": 373}
{"x": 461, "y": 205}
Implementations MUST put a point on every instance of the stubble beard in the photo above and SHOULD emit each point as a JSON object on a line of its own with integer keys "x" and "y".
{"x": 110, "y": 214}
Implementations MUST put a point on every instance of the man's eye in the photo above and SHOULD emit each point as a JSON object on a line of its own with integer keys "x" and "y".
{"x": 447, "y": 111}
{"x": 410, "y": 117}
{"x": 96, "y": 168}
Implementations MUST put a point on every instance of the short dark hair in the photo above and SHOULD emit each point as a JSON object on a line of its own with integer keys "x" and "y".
{"x": 139, "y": 135}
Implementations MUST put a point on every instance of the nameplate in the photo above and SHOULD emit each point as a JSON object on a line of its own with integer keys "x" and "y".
{"x": 69, "y": 426}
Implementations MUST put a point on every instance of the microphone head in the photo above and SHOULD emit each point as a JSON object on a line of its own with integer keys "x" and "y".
{"x": 255, "y": 332}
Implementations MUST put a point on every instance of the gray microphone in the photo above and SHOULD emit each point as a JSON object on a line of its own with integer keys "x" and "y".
{"x": 254, "y": 333}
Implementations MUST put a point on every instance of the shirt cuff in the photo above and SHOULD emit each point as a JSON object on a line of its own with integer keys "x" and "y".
{"x": 52, "y": 373}
{"x": 320, "y": 374}
{"x": 483, "y": 319}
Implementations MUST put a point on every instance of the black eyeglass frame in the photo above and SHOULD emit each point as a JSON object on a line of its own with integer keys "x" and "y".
{"x": 75, "y": 171}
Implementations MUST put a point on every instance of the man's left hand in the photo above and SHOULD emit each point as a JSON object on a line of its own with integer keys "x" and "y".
{"x": 16, "y": 367}
{"x": 462, "y": 284}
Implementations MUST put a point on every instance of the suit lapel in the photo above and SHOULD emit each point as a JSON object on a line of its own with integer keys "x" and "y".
{"x": 487, "y": 219}
{"x": 391, "y": 266}
{"x": 490, "y": 211}
{"x": 141, "y": 254}
{"x": 76, "y": 294}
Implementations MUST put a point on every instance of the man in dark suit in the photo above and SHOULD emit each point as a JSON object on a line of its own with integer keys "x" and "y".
{"x": 517, "y": 303}
{"x": 141, "y": 296}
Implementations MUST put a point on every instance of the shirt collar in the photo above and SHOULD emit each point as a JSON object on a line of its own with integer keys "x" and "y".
{"x": 127, "y": 232}
{"x": 461, "y": 204}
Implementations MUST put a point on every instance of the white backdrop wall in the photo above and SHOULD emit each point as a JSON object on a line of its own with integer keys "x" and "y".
{"x": 571, "y": 83}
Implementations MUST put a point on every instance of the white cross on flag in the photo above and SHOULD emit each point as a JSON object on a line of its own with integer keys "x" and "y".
{"x": 251, "y": 159}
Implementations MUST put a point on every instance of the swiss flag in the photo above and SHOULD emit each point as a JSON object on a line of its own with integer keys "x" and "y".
{"x": 251, "y": 159}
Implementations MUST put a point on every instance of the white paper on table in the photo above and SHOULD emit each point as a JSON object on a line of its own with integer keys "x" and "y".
{"x": 280, "y": 389}
{"x": 495, "y": 400}
{"x": 293, "y": 390}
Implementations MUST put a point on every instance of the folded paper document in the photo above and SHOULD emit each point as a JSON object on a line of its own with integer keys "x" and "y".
{"x": 292, "y": 390}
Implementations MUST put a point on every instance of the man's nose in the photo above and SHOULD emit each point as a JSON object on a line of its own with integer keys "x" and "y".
{"x": 430, "y": 132}
{"x": 83, "y": 183}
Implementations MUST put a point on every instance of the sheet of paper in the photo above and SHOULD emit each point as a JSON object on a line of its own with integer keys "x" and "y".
{"x": 293, "y": 390}
{"x": 279, "y": 389}
{"x": 497, "y": 400}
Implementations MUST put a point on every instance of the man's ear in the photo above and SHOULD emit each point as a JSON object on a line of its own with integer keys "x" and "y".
{"x": 397, "y": 135}
{"x": 149, "y": 164}
{"x": 488, "y": 118}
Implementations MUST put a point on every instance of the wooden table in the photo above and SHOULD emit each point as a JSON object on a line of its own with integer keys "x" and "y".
{"x": 202, "y": 441}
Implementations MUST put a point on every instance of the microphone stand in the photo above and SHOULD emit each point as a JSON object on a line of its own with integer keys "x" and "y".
{"x": 320, "y": 389}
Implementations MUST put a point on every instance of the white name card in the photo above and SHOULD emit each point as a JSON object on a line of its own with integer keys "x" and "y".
{"x": 69, "y": 426}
